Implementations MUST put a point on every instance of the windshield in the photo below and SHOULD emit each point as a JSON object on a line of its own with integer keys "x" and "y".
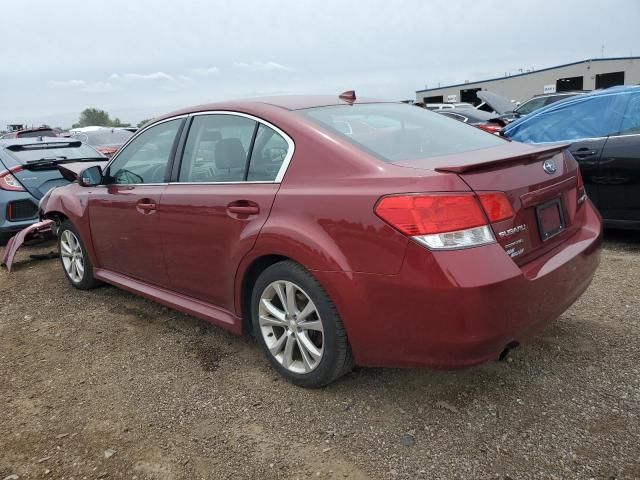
{"x": 106, "y": 137}
{"x": 31, "y": 153}
{"x": 398, "y": 132}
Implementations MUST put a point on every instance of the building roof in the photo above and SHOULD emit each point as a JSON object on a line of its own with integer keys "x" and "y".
{"x": 528, "y": 73}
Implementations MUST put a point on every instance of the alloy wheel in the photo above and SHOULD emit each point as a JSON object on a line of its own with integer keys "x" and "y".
{"x": 72, "y": 257}
{"x": 291, "y": 326}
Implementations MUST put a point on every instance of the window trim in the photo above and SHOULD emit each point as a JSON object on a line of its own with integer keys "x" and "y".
{"x": 281, "y": 172}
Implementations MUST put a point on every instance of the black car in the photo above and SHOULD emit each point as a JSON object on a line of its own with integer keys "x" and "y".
{"x": 473, "y": 116}
{"x": 603, "y": 129}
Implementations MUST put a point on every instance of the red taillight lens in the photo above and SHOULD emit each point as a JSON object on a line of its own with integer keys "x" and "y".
{"x": 496, "y": 205}
{"x": 9, "y": 182}
{"x": 430, "y": 214}
{"x": 490, "y": 127}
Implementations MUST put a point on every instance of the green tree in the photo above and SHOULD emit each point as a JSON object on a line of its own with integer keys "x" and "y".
{"x": 142, "y": 122}
{"x": 97, "y": 117}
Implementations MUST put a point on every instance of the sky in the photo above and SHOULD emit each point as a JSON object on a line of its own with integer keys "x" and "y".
{"x": 141, "y": 58}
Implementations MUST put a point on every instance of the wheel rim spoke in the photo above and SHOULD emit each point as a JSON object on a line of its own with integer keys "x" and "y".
{"x": 308, "y": 363}
{"x": 273, "y": 310}
{"x": 308, "y": 345}
{"x": 287, "y": 355}
{"x": 281, "y": 295}
{"x": 315, "y": 325}
{"x": 308, "y": 309}
{"x": 290, "y": 292}
{"x": 71, "y": 254}
{"x": 277, "y": 346}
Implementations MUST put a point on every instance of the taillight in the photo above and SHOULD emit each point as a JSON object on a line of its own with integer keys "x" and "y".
{"x": 581, "y": 192}
{"x": 9, "y": 182}
{"x": 490, "y": 127}
{"x": 445, "y": 221}
{"x": 496, "y": 206}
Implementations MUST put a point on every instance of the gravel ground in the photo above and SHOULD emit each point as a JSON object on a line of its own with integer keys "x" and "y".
{"x": 103, "y": 384}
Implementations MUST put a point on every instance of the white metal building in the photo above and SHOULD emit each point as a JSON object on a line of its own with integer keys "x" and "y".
{"x": 584, "y": 75}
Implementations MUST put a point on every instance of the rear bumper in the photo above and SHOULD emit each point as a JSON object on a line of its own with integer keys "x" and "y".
{"x": 457, "y": 308}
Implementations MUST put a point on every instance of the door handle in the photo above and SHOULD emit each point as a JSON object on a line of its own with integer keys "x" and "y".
{"x": 243, "y": 207}
{"x": 584, "y": 153}
{"x": 146, "y": 206}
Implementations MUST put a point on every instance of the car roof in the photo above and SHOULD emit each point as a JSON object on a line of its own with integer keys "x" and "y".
{"x": 283, "y": 102}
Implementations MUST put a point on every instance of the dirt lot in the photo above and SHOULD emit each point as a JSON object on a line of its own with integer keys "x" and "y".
{"x": 103, "y": 384}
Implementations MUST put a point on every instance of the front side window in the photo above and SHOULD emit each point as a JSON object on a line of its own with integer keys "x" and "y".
{"x": 145, "y": 158}
{"x": 217, "y": 149}
{"x": 398, "y": 132}
{"x": 582, "y": 119}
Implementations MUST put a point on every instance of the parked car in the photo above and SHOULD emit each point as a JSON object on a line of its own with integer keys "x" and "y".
{"x": 106, "y": 140}
{"x": 28, "y": 169}
{"x": 542, "y": 100}
{"x": 337, "y": 230}
{"x": 30, "y": 133}
{"x": 478, "y": 118}
{"x": 603, "y": 129}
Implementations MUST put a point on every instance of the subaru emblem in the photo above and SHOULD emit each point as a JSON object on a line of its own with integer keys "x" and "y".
{"x": 549, "y": 166}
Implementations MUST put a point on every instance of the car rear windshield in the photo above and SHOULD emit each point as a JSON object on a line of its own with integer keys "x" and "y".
{"x": 398, "y": 132}
{"x": 37, "y": 133}
{"x": 74, "y": 151}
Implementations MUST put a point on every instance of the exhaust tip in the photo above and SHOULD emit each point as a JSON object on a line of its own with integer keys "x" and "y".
{"x": 507, "y": 350}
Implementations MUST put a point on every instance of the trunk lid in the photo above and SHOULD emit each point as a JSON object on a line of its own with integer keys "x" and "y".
{"x": 540, "y": 183}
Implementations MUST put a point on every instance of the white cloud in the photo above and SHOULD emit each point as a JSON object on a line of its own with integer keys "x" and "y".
{"x": 206, "y": 71}
{"x": 262, "y": 66}
{"x": 66, "y": 83}
{"x": 98, "y": 87}
{"x": 114, "y": 77}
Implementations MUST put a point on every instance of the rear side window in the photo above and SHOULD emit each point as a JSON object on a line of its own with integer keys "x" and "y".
{"x": 217, "y": 149}
{"x": 588, "y": 118}
{"x": 631, "y": 119}
{"x": 531, "y": 105}
{"x": 398, "y": 132}
{"x": 269, "y": 152}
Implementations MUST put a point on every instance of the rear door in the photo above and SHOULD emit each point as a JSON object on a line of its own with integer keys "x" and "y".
{"x": 224, "y": 188}
{"x": 620, "y": 168}
{"x": 123, "y": 212}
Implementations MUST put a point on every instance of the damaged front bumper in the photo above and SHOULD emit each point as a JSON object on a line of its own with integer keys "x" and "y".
{"x": 41, "y": 229}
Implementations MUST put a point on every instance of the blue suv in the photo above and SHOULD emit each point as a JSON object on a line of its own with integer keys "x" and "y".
{"x": 28, "y": 169}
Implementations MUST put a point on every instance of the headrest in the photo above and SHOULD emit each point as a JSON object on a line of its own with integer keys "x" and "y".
{"x": 230, "y": 153}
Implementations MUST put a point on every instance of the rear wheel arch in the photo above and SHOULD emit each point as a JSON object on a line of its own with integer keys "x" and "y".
{"x": 249, "y": 277}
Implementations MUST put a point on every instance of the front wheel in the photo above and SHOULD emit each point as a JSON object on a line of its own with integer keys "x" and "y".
{"x": 75, "y": 261}
{"x": 298, "y": 327}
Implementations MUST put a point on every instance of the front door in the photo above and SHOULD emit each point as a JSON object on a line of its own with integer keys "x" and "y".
{"x": 211, "y": 216}
{"x": 123, "y": 213}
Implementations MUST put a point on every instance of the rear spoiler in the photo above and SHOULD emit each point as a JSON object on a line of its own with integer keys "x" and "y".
{"x": 492, "y": 157}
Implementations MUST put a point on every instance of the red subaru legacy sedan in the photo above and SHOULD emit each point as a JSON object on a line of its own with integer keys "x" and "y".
{"x": 337, "y": 231}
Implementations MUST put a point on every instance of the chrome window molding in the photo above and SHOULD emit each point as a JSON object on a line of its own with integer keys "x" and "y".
{"x": 279, "y": 175}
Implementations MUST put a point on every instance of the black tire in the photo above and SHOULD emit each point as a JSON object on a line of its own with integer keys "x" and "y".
{"x": 336, "y": 359}
{"x": 86, "y": 281}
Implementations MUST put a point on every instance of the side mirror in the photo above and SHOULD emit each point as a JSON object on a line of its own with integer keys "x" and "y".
{"x": 90, "y": 177}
